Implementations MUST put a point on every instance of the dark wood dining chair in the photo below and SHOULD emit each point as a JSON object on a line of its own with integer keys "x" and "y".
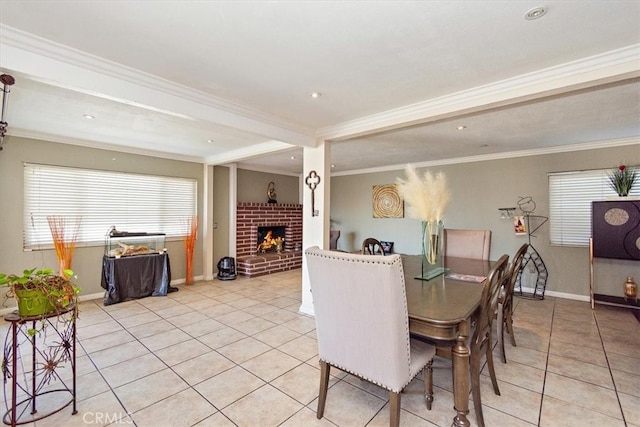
{"x": 371, "y": 246}
{"x": 480, "y": 341}
{"x": 505, "y": 304}
{"x": 369, "y": 339}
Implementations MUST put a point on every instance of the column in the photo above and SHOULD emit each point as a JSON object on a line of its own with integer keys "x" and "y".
{"x": 315, "y": 225}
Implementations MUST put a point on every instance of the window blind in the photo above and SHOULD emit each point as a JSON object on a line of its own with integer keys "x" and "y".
{"x": 101, "y": 199}
{"x": 570, "y": 197}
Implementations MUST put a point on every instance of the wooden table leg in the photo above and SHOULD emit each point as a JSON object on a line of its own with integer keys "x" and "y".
{"x": 460, "y": 359}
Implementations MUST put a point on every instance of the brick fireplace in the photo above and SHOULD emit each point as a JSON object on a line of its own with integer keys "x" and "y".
{"x": 249, "y": 216}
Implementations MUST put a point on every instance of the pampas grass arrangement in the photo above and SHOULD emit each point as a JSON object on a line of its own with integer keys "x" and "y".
{"x": 427, "y": 198}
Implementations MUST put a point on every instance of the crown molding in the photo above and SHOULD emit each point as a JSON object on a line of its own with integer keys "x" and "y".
{"x": 228, "y": 157}
{"x": 500, "y": 156}
{"x": 44, "y": 136}
{"x": 66, "y": 67}
{"x": 267, "y": 170}
{"x": 609, "y": 67}
{"x": 255, "y": 150}
{"x": 69, "y": 68}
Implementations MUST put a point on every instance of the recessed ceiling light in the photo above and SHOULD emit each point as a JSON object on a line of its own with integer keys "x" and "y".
{"x": 88, "y": 116}
{"x": 210, "y": 141}
{"x": 535, "y": 13}
{"x": 293, "y": 157}
{"x": 461, "y": 127}
{"x": 333, "y": 166}
{"x": 316, "y": 95}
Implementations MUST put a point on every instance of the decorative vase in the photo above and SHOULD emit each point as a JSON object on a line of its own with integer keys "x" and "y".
{"x": 630, "y": 288}
{"x": 33, "y": 302}
{"x": 432, "y": 241}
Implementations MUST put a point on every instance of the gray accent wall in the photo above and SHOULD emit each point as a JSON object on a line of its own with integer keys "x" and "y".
{"x": 252, "y": 187}
{"x": 478, "y": 189}
{"x": 87, "y": 261}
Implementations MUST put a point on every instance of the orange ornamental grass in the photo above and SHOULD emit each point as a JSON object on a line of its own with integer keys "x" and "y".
{"x": 189, "y": 245}
{"x": 64, "y": 231}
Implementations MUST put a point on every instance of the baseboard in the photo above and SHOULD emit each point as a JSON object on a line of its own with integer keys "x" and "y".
{"x": 183, "y": 281}
{"x": 556, "y": 294}
{"x": 90, "y": 297}
{"x": 308, "y": 310}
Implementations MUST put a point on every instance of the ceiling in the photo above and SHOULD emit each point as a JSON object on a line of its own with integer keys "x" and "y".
{"x": 221, "y": 81}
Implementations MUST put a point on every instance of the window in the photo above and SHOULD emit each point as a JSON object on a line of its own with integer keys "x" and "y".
{"x": 570, "y": 197}
{"x": 131, "y": 202}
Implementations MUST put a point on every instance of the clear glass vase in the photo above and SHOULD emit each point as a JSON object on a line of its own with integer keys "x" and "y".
{"x": 432, "y": 232}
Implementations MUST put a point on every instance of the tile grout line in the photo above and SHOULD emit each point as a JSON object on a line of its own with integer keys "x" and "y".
{"x": 177, "y": 374}
{"x": 150, "y": 352}
{"x": 220, "y": 410}
{"x": 613, "y": 381}
{"x": 546, "y": 365}
{"x": 129, "y": 414}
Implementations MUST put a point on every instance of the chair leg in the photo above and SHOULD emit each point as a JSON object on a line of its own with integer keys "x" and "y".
{"x": 394, "y": 408}
{"x": 324, "y": 385}
{"x": 500, "y": 323}
{"x": 475, "y": 387}
{"x": 492, "y": 371}
{"x": 510, "y": 328}
{"x": 428, "y": 384}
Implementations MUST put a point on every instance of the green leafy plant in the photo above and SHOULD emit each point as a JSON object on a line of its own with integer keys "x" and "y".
{"x": 622, "y": 179}
{"x": 59, "y": 290}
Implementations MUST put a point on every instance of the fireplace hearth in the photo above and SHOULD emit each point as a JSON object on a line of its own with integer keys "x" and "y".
{"x": 250, "y": 218}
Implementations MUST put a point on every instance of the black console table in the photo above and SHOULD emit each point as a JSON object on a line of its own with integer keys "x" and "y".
{"x": 38, "y": 351}
{"x": 135, "y": 276}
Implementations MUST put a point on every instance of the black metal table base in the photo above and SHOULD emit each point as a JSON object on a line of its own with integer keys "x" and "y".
{"x": 37, "y": 351}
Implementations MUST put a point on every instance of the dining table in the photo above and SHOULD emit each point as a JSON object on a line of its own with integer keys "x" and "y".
{"x": 442, "y": 301}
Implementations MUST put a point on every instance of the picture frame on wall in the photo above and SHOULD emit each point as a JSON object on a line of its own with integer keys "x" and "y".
{"x": 519, "y": 225}
{"x": 387, "y": 202}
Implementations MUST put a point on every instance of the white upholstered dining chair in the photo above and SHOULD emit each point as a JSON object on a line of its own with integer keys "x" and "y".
{"x": 362, "y": 323}
{"x": 474, "y": 244}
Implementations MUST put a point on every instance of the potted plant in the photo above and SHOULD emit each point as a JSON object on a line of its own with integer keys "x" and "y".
{"x": 622, "y": 179}
{"x": 40, "y": 292}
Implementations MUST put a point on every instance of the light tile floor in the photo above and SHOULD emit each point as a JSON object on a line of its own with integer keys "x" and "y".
{"x": 227, "y": 353}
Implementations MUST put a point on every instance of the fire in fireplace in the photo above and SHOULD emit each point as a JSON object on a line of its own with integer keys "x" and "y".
{"x": 271, "y": 239}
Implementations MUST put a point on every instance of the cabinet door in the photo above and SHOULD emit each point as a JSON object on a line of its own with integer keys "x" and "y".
{"x": 615, "y": 228}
